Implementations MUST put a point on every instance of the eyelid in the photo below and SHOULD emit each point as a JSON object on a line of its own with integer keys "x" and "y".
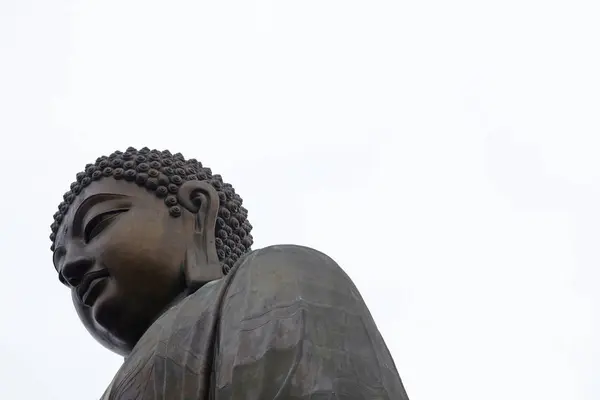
{"x": 96, "y": 202}
{"x": 102, "y": 208}
{"x": 114, "y": 213}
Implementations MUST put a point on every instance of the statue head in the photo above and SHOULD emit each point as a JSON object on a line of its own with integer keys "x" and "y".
{"x": 139, "y": 229}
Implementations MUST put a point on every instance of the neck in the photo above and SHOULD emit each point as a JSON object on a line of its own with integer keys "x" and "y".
{"x": 187, "y": 291}
{"x": 177, "y": 299}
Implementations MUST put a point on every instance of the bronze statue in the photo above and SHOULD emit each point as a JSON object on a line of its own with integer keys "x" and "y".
{"x": 157, "y": 253}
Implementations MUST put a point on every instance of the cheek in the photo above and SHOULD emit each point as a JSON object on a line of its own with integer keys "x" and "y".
{"x": 143, "y": 251}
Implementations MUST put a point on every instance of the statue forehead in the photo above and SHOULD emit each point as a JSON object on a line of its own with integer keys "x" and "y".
{"x": 104, "y": 186}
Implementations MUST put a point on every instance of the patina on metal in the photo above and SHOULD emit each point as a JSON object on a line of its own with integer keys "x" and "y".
{"x": 156, "y": 251}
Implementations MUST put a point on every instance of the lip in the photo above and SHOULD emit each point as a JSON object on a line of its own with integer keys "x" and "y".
{"x": 91, "y": 286}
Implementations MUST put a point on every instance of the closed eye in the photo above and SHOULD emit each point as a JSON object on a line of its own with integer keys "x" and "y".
{"x": 99, "y": 223}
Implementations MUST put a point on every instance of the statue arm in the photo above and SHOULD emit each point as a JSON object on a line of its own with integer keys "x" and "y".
{"x": 294, "y": 326}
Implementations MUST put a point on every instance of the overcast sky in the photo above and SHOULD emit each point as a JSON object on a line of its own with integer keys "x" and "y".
{"x": 445, "y": 153}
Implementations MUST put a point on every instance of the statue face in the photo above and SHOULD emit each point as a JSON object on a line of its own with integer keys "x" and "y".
{"x": 120, "y": 253}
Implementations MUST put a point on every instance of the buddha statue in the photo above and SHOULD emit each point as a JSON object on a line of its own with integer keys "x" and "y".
{"x": 156, "y": 251}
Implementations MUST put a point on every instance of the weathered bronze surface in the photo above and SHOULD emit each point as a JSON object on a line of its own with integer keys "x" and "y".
{"x": 157, "y": 253}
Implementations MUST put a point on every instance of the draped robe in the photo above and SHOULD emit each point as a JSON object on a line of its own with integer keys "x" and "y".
{"x": 286, "y": 323}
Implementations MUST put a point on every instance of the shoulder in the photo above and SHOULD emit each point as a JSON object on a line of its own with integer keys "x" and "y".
{"x": 286, "y": 269}
{"x": 290, "y": 254}
{"x": 289, "y": 259}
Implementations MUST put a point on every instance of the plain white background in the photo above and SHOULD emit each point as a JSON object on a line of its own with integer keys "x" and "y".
{"x": 445, "y": 153}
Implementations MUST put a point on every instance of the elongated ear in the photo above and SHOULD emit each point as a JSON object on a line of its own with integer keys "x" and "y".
{"x": 202, "y": 264}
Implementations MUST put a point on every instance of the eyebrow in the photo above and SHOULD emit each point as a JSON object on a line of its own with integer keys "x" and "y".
{"x": 87, "y": 204}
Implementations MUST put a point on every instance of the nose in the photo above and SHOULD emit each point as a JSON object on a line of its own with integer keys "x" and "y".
{"x": 75, "y": 267}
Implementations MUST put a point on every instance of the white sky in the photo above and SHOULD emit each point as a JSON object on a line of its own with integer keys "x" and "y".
{"x": 445, "y": 153}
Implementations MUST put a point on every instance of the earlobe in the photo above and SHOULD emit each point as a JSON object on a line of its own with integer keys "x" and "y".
{"x": 202, "y": 264}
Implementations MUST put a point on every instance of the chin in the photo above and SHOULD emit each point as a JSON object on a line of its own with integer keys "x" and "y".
{"x": 115, "y": 316}
{"x": 105, "y": 311}
{"x": 102, "y": 332}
